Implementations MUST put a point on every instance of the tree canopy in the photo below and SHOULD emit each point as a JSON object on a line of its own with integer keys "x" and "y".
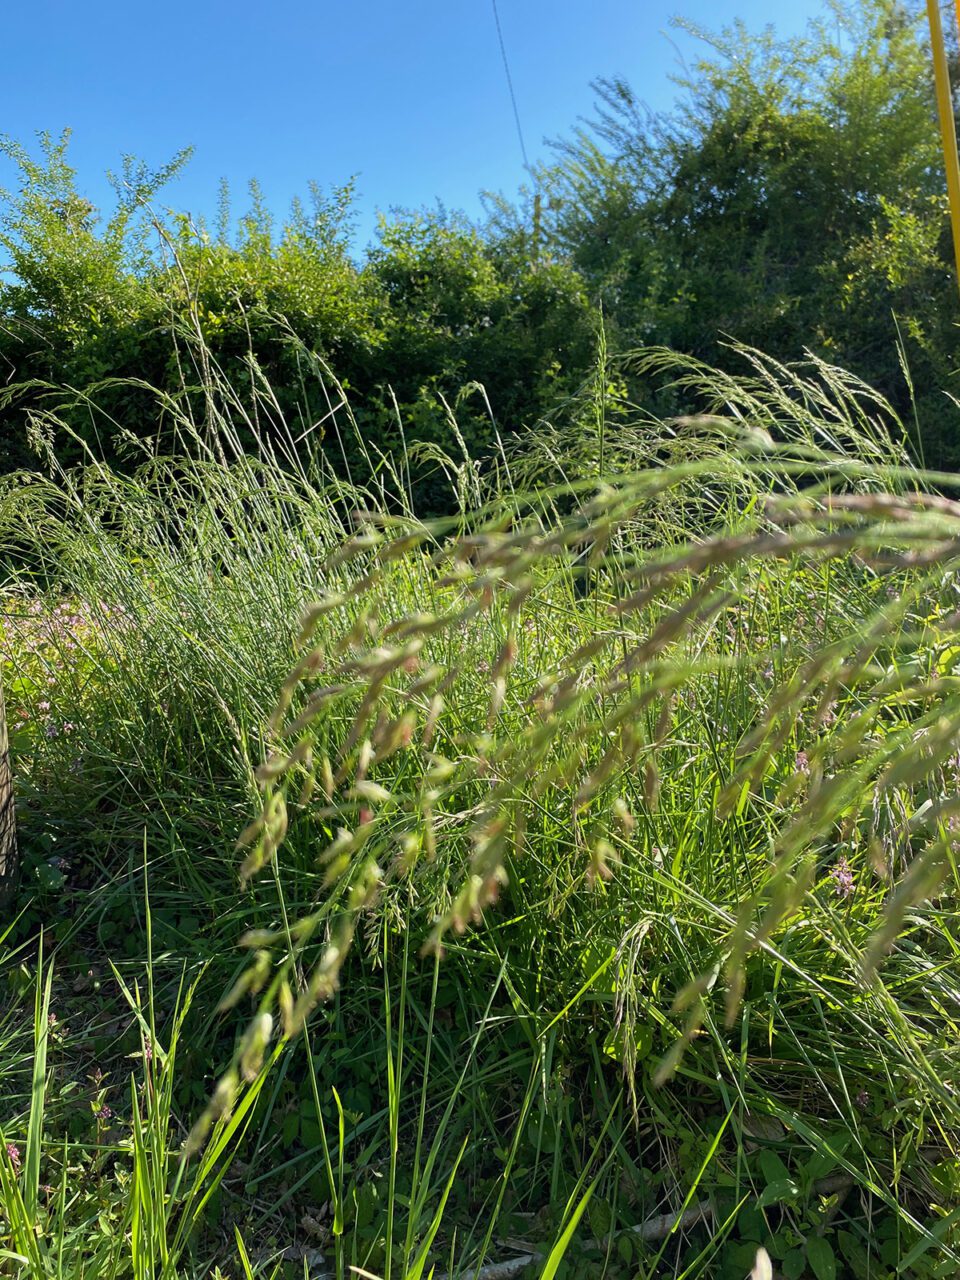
{"x": 793, "y": 200}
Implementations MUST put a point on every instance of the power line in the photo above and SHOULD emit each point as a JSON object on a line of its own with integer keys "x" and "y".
{"x": 513, "y": 96}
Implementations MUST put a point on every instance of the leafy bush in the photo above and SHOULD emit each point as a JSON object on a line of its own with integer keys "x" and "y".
{"x": 794, "y": 200}
{"x": 109, "y": 317}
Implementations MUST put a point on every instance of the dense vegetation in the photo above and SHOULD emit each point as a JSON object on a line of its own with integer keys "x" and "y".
{"x": 793, "y": 201}
{"x": 487, "y": 785}
{"x": 601, "y": 832}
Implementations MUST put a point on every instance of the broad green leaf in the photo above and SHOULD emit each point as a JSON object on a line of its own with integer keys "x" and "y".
{"x": 820, "y": 1255}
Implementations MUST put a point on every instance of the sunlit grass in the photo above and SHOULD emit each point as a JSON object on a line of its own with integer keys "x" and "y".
{"x": 662, "y": 760}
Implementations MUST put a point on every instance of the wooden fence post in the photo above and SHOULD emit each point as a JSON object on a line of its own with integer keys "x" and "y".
{"x": 9, "y": 860}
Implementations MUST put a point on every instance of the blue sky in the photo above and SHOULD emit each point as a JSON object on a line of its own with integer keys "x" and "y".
{"x": 411, "y": 96}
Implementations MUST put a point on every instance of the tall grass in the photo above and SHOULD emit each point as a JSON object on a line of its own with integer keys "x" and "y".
{"x": 660, "y": 756}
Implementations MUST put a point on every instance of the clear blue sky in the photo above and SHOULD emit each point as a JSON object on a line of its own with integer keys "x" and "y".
{"x": 410, "y": 96}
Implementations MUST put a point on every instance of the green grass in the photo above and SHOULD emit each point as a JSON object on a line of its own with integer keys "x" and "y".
{"x": 661, "y": 758}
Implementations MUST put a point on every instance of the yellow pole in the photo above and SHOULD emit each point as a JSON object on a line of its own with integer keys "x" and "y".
{"x": 948, "y": 132}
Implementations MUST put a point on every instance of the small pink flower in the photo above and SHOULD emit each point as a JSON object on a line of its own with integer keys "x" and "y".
{"x": 803, "y": 762}
{"x": 843, "y": 881}
{"x": 104, "y": 1113}
{"x": 43, "y": 706}
{"x": 13, "y": 1155}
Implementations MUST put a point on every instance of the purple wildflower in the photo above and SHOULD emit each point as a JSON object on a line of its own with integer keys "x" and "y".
{"x": 13, "y": 1155}
{"x": 803, "y": 762}
{"x": 842, "y": 876}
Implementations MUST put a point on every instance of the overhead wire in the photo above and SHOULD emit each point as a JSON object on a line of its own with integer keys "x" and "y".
{"x": 513, "y": 96}
{"x": 537, "y": 199}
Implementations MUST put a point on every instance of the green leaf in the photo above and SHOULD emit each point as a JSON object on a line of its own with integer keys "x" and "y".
{"x": 826, "y": 1158}
{"x": 773, "y": 1168}
{"x": 601, "y": 1219}
{"x": 615, "y": 1045}
{"x": 820, "y": 1255}
{"x": 929, "y": 1239}
{"x": 555, "y": 1256}
{"x": 794, "y": 1265}
{"x": 290, "y": 1128}
{"x": 750, "y": 1224}
{"x": 416, "y": 1269}
{"x": 41, "y": 1029}
{"x": 777, "y": 1192}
